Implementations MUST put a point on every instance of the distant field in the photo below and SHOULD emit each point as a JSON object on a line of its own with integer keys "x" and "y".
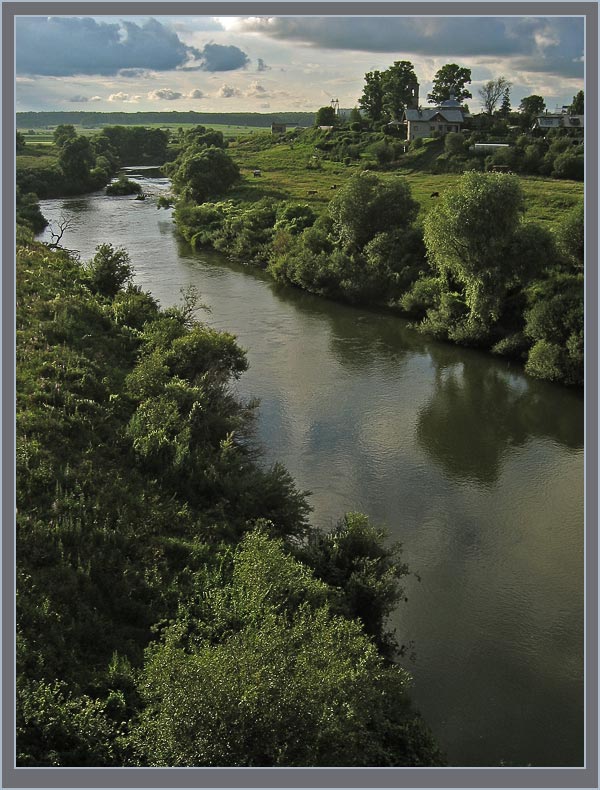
{"x": 288, "y": 172}
{"x": 229, "y": 130}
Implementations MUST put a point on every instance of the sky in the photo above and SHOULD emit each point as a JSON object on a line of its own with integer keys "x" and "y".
{"x": 286, "y": 63}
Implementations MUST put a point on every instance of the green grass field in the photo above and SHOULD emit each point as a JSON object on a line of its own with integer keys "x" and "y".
{"x": 285, "y": 176}
{"x": 37, "y": 155}
{"x": 229, "y": 130}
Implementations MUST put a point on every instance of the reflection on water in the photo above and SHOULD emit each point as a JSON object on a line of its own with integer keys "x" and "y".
{"x": 476, "y": 415}
{"x": 476, "y": 468}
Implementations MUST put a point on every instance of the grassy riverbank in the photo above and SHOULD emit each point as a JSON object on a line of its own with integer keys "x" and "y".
{"x": 151, "y": 539}
{"x": 488, "y": 260}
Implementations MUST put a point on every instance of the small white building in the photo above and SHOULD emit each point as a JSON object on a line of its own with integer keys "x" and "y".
{"x": 447, "y": 117}
{"x": 488, "y": 147}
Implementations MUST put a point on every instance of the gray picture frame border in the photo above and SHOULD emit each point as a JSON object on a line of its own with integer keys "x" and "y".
{"x": 585, "y": 777}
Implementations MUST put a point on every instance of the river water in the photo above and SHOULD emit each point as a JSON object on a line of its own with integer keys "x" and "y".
{"x": 476, "y": 468}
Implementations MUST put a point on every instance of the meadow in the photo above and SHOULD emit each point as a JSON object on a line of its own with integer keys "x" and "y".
{"x": 294, "y": 170}
{"x": 290, "y": 171}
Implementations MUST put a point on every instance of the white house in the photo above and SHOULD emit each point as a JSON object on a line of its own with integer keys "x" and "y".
{"x": 559, "y": 120}
{"x": 447, "y": 117}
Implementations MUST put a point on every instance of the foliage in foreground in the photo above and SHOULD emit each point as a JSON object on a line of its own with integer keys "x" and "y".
{"x": 168, "y": 613}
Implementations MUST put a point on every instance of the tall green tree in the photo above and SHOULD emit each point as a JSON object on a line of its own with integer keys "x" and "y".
{"x": 532, "y": 106}
{"x": 371, "y": 101}
{"x": 451, "y": 78}
{"x": 205, "y": 174}
{"x": 76, "y": 158}
{"x": 505, "y": 106}
{"x": 366, "y": 206}
{"x": 326, "y": 116}
{"x": 63, "y": 133}
{"x": 397, "y": 82}
{"x": 476, "y": 240}
{"x": 577, "y": 105}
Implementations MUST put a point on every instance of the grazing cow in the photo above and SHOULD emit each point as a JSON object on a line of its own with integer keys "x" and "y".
{"x": 435, "y": 194}
{"x": 312, "y": 192}
{"x": 333, "y": 186}
{"x": 256, "y": 173}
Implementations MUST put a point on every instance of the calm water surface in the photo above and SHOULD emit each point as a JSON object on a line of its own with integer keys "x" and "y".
{"x": 474, "y": 467}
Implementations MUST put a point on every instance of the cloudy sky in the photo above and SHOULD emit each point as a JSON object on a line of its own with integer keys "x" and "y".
{"x": 270, "y": 64}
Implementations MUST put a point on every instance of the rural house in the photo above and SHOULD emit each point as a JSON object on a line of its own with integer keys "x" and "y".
{"x": 446, "y": 117}
{"x": 559, "y": 120}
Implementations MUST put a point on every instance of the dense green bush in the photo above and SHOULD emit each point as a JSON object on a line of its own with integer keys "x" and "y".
{"x": 123, "y": 186}
{"x": 162, "y": 618}
{"x": 293, "y": 683}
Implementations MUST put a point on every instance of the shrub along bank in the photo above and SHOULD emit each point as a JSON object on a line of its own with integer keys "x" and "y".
{"x": 174, "y": 605}
{"x": 472, "y": 271}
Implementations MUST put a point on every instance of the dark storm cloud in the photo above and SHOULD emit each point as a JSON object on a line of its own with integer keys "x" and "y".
{"x": 552, "y": 45}
{"x": 216, "y": 57}
{"x": 134, "y": 73}
{"x": 64, "y": 46}
{"x": 261, "y": 65}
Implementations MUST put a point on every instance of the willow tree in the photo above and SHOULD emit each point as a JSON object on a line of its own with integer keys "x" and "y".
{"x": 477, "y": 242}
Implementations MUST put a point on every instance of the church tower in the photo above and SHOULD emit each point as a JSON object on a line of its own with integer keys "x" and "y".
{"x": 413, "y": 102}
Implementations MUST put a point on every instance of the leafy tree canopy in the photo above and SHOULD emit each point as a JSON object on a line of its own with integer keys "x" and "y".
{"x": 260, "y": 671}
{"x": 474, "y": 238}
{"x": 531, "y": 106}
{"x": 398, "y": 80}
{"x": 62, "y": 133}
{"x": 577, "y": 106}
{"x": 366, "y": 206}
{"x": 451, "y": 78}
{"x": 387, "y": 93}
{"x": 326, "y": 116}
{"x": 205, "y": 174}
{"x": 371, "y": 100}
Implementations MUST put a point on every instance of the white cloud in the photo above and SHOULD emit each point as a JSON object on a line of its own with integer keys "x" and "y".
{"x": 164, "y": 94}
{"x": 124, "y": 97}
{"x": 255, "y": 89}
{"x": 195, "y": 94}
{"x": 227, "y": 92}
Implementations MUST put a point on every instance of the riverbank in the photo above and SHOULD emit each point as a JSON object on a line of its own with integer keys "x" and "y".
{"x": 506, "y": 285}
{"x": 159, "y": 515}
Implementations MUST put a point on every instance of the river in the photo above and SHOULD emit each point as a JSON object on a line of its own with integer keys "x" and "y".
{"x": 476, "y": 468}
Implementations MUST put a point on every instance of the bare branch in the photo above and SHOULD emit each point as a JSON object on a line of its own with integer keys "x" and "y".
{"x": 56, "y": 233}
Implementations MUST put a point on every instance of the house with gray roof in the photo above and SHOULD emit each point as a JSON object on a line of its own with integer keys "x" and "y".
{"x": 446, "y": 117}
{"x": 559, "y": 120}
